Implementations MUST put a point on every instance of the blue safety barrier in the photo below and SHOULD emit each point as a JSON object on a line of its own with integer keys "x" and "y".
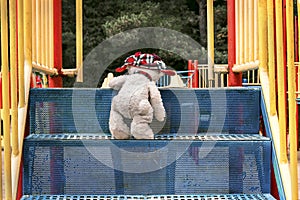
{"x": 189, "y": 111}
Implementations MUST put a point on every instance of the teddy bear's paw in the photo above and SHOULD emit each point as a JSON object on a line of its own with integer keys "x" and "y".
{"x": 120, "y": 135}
{"x": 160, "y": 116}
{"x": 141, "y": 131}
{"x": 144, "y": 136}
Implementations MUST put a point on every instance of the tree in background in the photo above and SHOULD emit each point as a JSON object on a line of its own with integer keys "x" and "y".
{"x": 220, "y": 19}
{"x": 167, "y": 14}
{"x": 103, "y": 19}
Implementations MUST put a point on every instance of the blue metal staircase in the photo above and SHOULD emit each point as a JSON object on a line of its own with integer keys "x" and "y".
{"x": 209, "y": 147}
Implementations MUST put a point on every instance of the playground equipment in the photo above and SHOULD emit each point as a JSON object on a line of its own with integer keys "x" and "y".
{"x": 252, "y": 32}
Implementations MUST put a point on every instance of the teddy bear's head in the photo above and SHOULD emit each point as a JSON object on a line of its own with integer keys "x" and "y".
{"x": 149, "y": 64}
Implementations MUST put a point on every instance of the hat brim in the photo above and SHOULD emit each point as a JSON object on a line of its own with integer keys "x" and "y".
{"x": 168, "y": 72}
{"x": 154, "y": 66}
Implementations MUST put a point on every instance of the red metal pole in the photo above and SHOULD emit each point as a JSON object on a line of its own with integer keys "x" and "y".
{"x": 190, "y": 68}
{"x": 234, "y": 79}
{"x": 56, "y": 153}
{"x": 57, "y": 34}
{"x": 196, "y": 74}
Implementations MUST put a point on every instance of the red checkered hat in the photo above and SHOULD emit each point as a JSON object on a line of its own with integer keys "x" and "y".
{"x": 146, "y": 61}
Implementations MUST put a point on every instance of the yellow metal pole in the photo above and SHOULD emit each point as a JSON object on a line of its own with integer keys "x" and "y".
{"x": 241, "y": 32}
{"x": 28, "y": 33}
{"x": 51, "y": 36}
{"x": 251, "y": 29}
{"x": 248, "y": 76}
{"x": 21, "y": 54}
{"x": 292, "y": 97}
{"x": 271, "y": 56}
{"x": 210, "y": 40}
{"x": 39, "y": 31}
{"x": 5, "y": 99}
{"x": 237, "y": 31}
{"x": 280, "y": 81}
{"x": 27, "y": 38}
{"x": 45, "y": 81}
{"x": 45, "y": 34}
{"x": 34, "y": 33}
{"x": 263, "y": 32}
{"x": 79, "y": 38}
{"x": 43, "y": 25}
{"x": 1, "y": 181}
{"x": 256, "y": 46}
{"x": 13, "y": 75}
{"x": 47, "y": 40}
{"x": 246, "y": 32}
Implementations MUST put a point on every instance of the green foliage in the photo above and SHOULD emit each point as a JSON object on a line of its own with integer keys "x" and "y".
{"x": 167, "y": 14}
{"x": 137, "y": 14}
{"x": 220, "y": 18}
{"x": 104, "y": 19}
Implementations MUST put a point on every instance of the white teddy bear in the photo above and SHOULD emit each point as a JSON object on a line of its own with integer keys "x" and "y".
{"x": 138, "y": 97}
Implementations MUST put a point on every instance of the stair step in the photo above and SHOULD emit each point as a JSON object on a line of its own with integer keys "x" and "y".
{"x": 95, "y": 164}
{"x": 153, "y": 197}
{"x": 230, "y": 110}
{"x": 201, "y": 137}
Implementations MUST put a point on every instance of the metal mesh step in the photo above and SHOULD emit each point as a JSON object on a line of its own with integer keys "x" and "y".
{"x": 152, "y": 197}
{"x": 54, "y": 164}
{"x": 234, "y": 110}
{"x": 201, "y": 137}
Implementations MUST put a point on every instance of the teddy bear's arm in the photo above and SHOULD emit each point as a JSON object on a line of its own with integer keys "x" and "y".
{"x": 117, "y": 82}
{"x": 156, "y": 102}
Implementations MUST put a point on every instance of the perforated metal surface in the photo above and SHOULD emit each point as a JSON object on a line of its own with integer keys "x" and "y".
{"x": 70, "y": 150}
{"x": 91, "y": 166}
{"x": 232, "y": 110}
{"x": 158, "y": 197}
{"x": 201, "y": 137}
